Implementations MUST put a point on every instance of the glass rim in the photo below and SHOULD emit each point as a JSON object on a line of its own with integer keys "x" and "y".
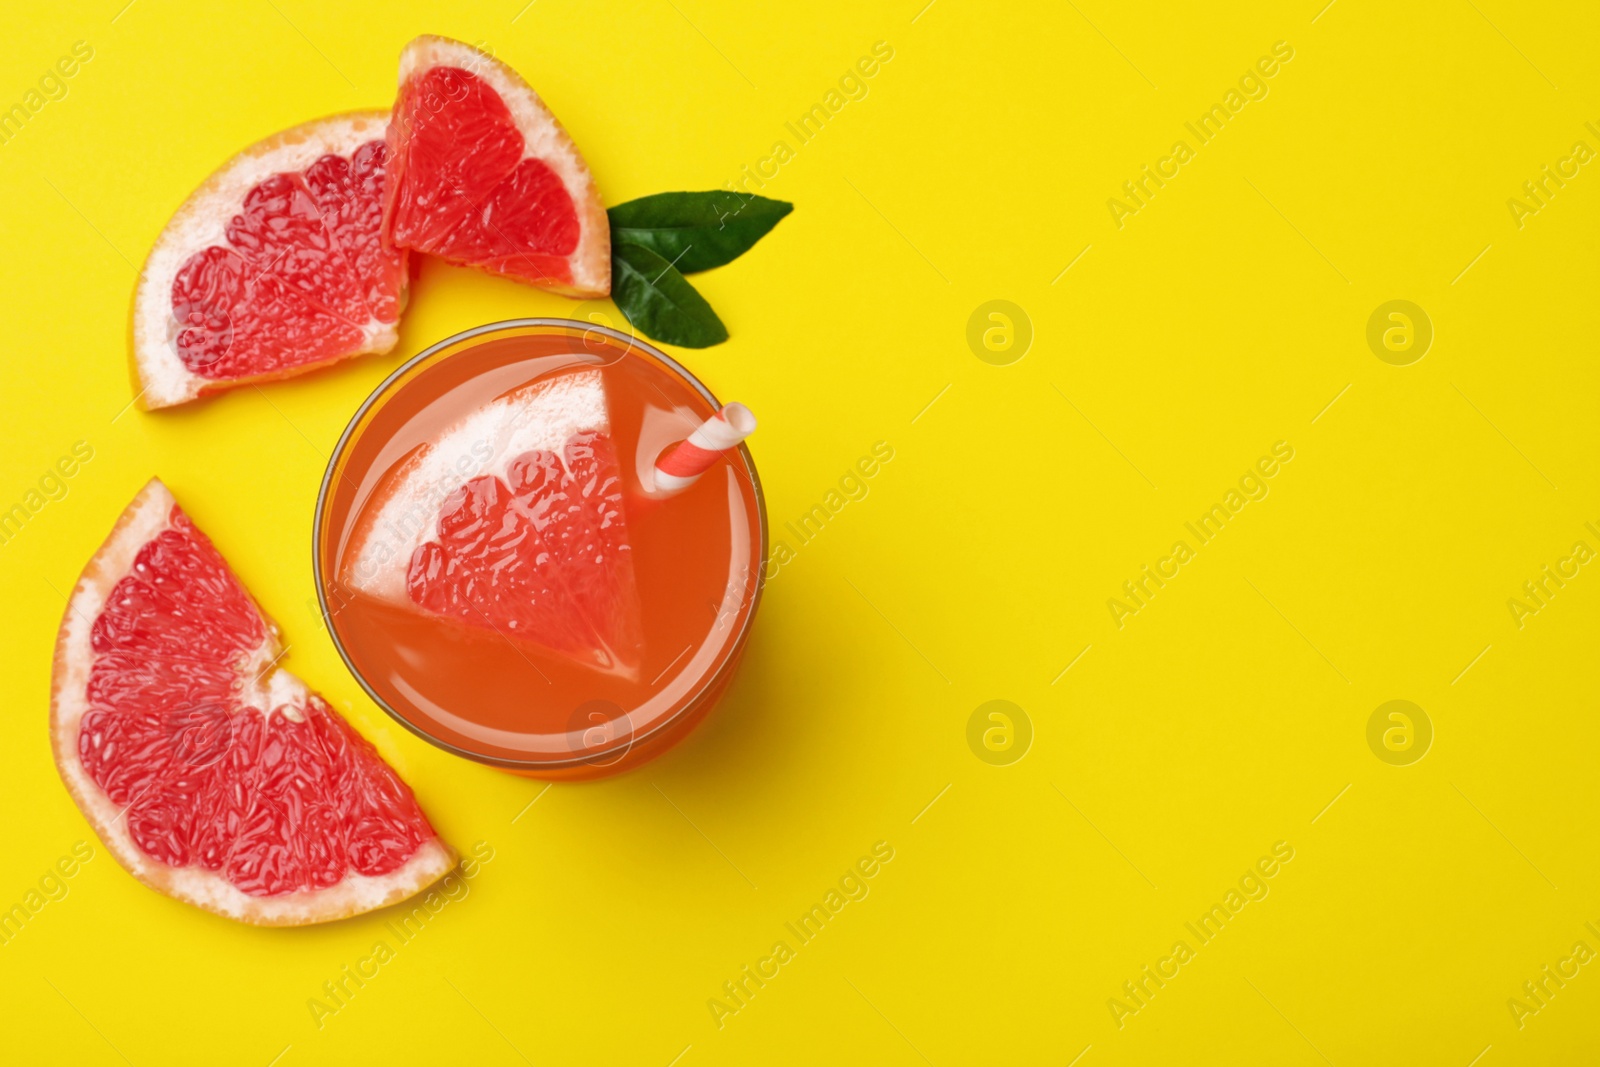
{"x": 709, "y": 683}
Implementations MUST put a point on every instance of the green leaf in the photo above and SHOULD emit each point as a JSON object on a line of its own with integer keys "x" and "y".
{"x": 696, "y": 231}
{"x": 660, "y": 302}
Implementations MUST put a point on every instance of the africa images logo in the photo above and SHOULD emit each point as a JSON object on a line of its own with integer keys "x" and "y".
{"x": 1252, "y": 85}
{"x": 853, "y": 886}
{"x": 1252, "y": 486}
{"x": 1252, "y": 886}
{"x": 52, "y": 86}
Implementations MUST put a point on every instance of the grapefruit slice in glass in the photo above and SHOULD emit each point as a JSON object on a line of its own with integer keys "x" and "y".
{"x": 511, "y": 520}
{"x": 274, "y": 266}
{"x": 482, "y": 174}
{"x": 210, "y": 773}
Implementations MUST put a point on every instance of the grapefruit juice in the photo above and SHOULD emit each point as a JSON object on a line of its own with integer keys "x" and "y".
{"x": 470, "y": 665}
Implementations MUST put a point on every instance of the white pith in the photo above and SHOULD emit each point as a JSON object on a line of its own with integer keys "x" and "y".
{"x": 202, "y": 221}
{"x": 404, "y": 511}
{"x": 280, "y": 693}
{"x": 543, "y": 139}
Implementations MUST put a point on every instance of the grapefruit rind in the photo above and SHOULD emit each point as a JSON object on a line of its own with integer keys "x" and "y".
{"x": 160, "y": 377}
{"x": 545, "y": 139}
{"x": 146, "y": 517}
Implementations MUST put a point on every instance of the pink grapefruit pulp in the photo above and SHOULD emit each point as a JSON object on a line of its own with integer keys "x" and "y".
{"x": 212, "y": 774}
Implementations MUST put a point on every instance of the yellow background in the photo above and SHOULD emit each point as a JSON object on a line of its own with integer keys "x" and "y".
{"x": 1223, "y": 717}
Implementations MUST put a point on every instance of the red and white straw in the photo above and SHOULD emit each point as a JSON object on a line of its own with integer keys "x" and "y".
{"x": 682, "y": 464}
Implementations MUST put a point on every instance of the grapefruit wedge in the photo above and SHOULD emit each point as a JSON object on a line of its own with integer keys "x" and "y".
{"x": 211, "y": 774}
{"x": 482, "y": 174}
{"x": 511, "y": 521}
{"x": 274, "y": 266}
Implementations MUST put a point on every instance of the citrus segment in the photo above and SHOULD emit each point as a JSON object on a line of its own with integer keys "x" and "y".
{"x": 349, "y": 196}
{"x": 484, "y": 175}
{"x": 512, "y": 520}
{"x": 272, "y": 267}
{"x": 280, "y": 232}
{"x": 212, "y": 774}
{"x": 240, "y": 323}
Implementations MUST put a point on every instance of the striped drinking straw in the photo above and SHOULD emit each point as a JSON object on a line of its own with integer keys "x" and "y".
{"x": 681, "y": 464}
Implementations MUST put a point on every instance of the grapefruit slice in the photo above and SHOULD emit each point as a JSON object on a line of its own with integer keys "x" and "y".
{"x": 511, "y": 520}
{"x": 484, "y": 175}
{"x": 211, "y": 774}
{"x": 274, "y": 266}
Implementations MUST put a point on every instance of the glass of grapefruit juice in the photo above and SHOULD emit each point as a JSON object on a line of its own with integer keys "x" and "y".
{"x": 498, "y": 569}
